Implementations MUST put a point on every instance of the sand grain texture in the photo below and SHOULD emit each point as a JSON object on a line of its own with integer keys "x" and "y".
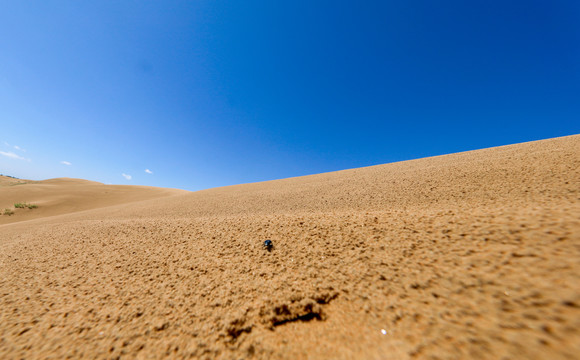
{"x": 469, "y": 255}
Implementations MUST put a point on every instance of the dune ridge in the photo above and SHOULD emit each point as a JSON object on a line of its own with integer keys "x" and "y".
{"x": 468, "y": 255}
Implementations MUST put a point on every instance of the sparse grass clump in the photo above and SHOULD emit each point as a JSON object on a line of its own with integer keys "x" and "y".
{"x": 24, "y": 205}
{"x": 20, "y": 205}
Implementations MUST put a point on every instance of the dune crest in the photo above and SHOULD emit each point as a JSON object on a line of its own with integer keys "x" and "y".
{"x": 69, "y": 181}
{"x": 468, "y": 255}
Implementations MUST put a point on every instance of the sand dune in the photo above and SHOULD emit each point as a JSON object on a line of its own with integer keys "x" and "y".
{"x": 65, "y": 195}
{"x": 469, "y": 255}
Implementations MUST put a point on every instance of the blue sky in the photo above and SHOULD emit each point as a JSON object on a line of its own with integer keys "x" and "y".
{"x": 213, "y": 93}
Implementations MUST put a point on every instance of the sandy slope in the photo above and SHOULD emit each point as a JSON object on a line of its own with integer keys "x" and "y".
{"x": 65, "y": 195}
{"x": 469, "y": 255}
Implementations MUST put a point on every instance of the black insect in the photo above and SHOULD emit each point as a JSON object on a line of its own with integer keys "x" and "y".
{"x": 268, "y": 245}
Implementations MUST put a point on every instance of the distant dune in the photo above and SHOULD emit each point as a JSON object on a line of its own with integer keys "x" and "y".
{"x": 65, "y": 195}
{"x": 474, "y": 255}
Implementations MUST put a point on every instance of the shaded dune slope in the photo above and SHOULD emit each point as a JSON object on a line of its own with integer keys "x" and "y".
{"x": 469, "y": 255}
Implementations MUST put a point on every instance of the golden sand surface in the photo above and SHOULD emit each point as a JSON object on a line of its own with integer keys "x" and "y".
{"x": 470, "y": 255}
{"x": 65, "y": 195}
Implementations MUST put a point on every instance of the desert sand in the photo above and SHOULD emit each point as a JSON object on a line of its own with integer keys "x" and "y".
{"x": 469, "y": 255}
{"x": 63, "y": 196}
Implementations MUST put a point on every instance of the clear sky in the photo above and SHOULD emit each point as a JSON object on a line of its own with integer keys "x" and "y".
{"x": 212, "y": 93}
